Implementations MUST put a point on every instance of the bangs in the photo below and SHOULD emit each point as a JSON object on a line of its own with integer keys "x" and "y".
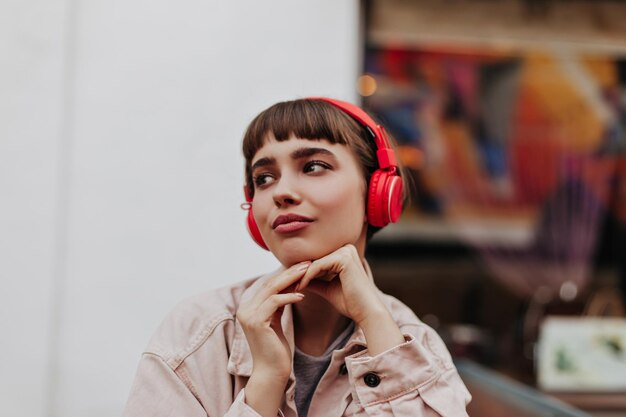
{"x": 304, "y": 119}
{"x": 307, "y": 119}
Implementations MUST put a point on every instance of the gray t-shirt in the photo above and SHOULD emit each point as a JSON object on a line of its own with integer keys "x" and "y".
{"x": 310, "y": 369}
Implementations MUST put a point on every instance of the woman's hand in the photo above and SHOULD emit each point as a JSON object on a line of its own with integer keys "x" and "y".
{"x": 271, "y": 355}
{"x": 341, "y": 279}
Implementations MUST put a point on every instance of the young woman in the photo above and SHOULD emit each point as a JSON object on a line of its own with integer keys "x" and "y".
{"x": 316, "y": 337}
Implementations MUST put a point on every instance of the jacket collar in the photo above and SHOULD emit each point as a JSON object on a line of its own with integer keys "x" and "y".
{"x": 240, "y": 360}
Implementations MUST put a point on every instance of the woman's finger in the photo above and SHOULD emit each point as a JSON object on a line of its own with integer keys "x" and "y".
{"x": 326, "y": 268}
{"x": 257, "y": 316}
{"x": 331, "y": 266}
{"x": 276, "y": 302}
{"x": 282, "y": 281}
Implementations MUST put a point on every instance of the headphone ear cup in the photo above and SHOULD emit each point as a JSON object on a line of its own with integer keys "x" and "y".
{"x": 384, "y": 199}
{"x": 395, "y": 197}
{"x": 253, "y": 229}
{"x": 375, "y": 215}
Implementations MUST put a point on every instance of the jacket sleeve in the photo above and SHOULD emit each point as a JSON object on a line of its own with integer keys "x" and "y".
{"x": 158, "y": 391}
{"x": 416, "y": 378}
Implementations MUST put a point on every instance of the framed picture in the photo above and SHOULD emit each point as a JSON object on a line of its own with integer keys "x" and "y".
{"x": 498, "y": 140}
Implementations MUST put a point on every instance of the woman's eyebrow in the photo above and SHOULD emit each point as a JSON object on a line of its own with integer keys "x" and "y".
{"x": 262, "y": 162}
{"x": 297, "y": 154}
{"x": 308, "y": 152}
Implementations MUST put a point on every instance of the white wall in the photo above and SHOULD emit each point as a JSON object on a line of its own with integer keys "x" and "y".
{"x": 120, "y": 173}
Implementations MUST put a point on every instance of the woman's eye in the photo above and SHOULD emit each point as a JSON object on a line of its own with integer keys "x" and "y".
{"x": 316, "y": 166}
{"x": 261, "y": 180}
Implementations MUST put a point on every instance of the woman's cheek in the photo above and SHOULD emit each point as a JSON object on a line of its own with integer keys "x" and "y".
{"x": 261, "y": 210}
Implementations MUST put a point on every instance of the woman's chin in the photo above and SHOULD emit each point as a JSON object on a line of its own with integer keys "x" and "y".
{"x": 295, "y": 254}
{"x": 290, "y": 259}
{"x": 292, "y": 255}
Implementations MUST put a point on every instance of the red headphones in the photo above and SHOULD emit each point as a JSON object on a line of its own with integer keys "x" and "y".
{"x": 384, "y": 197}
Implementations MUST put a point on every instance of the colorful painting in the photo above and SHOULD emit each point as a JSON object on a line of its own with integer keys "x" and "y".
{"x": 512, "y": 151}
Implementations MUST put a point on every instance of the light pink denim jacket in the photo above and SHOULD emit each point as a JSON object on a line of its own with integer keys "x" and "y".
{"x": 198, "y": 362}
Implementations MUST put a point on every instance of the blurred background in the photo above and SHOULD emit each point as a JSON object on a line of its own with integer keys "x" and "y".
{"x": 121, "y": 180}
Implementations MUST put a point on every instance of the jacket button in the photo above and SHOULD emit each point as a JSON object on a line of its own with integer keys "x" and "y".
{"x": 371, "y": 379}
{"x": 343, "y": 369}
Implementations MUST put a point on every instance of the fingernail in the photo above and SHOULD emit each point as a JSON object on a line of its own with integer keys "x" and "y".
{"x": 299, "y": 294}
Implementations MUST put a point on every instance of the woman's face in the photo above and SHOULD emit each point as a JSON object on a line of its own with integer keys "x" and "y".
{"x": 309, "y": 198}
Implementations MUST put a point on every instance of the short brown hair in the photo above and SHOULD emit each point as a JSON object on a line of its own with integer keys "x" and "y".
{"x": 309, "y": 119}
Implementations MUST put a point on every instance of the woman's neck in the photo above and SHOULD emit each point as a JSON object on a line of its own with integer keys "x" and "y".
{"x": 316, "y": 324}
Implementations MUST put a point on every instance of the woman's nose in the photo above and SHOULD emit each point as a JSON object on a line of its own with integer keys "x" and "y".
{"x": 285, "y": 193}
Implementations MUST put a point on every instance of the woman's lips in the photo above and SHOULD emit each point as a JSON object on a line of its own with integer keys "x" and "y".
{"x": 288, "y": 223}
{"x": 291, "y": 227}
